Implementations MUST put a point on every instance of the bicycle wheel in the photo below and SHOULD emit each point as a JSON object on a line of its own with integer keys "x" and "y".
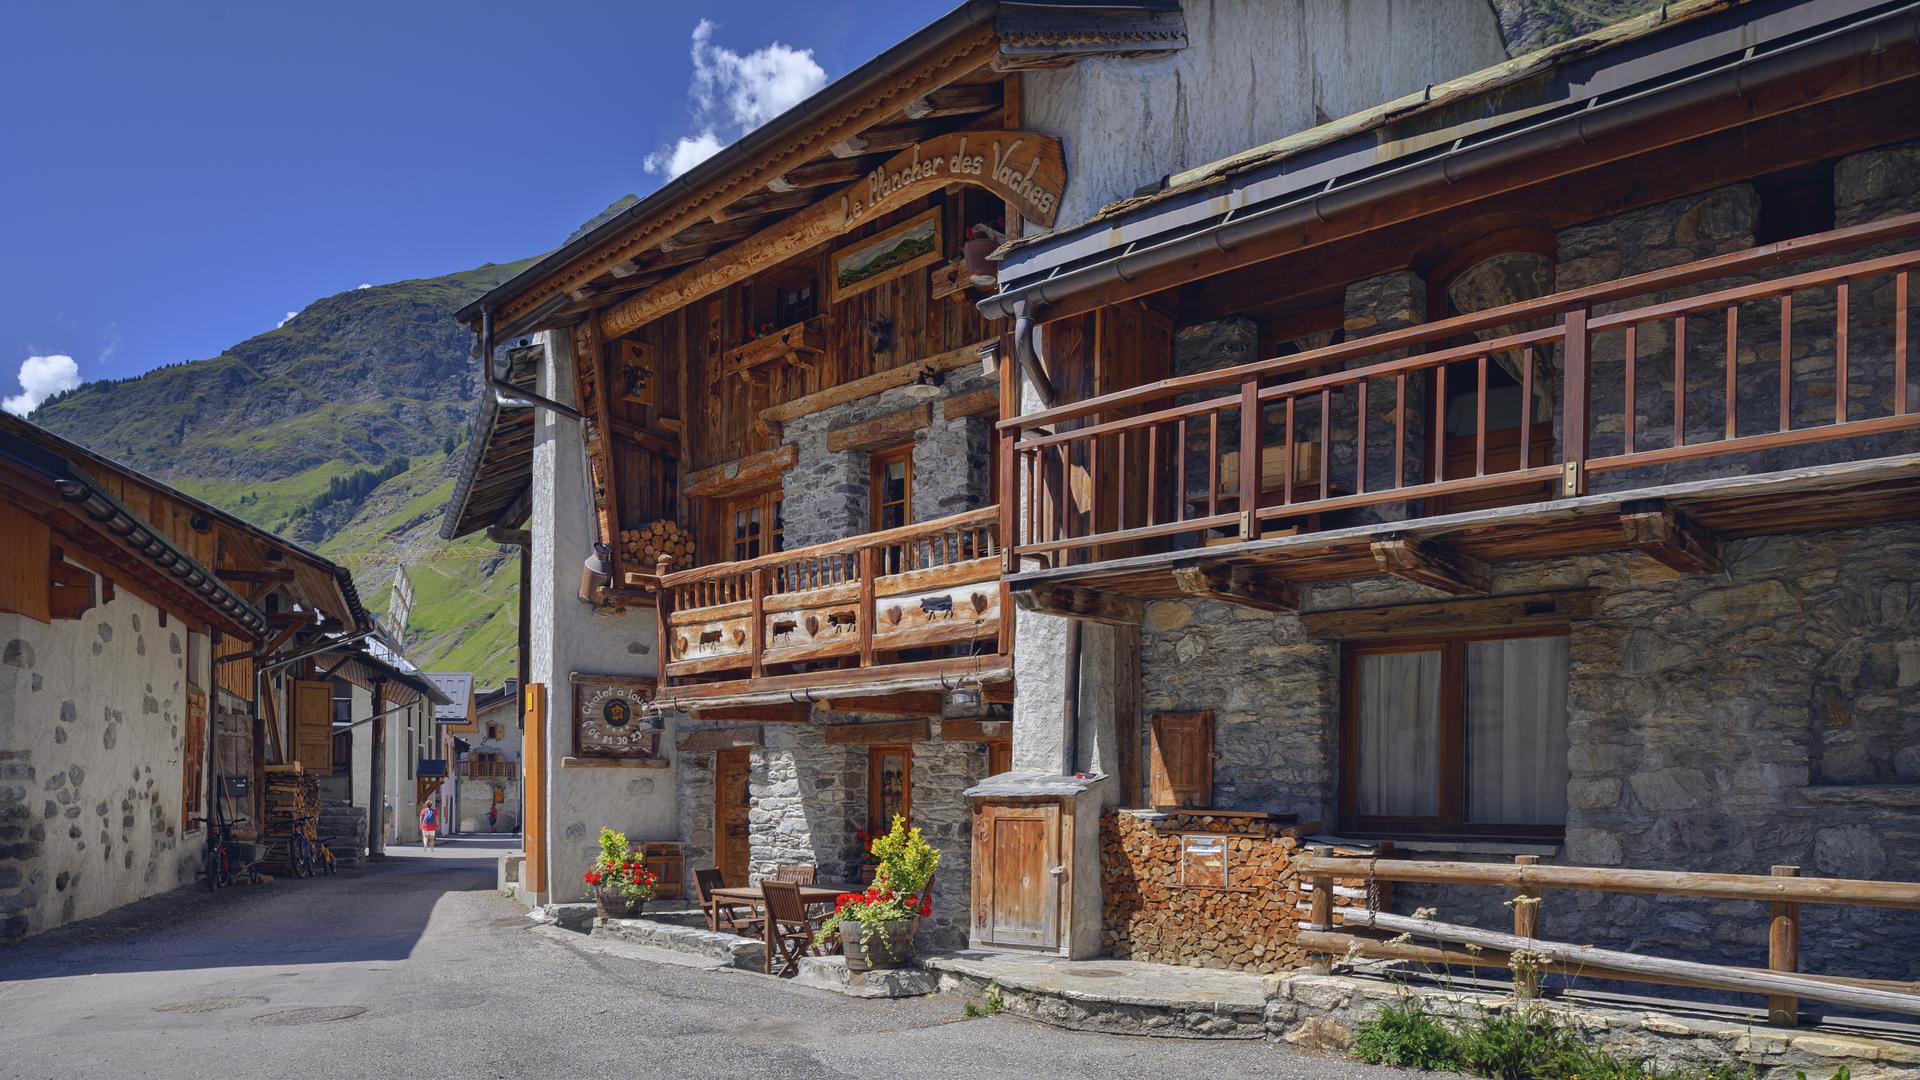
{"x": 300, "y": 856}
{"x": 216, "y": 868}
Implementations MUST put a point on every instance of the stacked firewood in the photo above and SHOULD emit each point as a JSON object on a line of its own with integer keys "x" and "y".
{"x": 292, "y": 806}
{"x": 641, "y": 548}
{"x": 1155, "y": 913}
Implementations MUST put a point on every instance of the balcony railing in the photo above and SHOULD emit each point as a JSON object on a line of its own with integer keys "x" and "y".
{"x": 868, "y": 601}
{"x": 1660, "y": 368}
{"x": 490, "y": 770}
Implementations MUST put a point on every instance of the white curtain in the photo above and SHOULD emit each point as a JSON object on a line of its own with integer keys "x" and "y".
{"x": 1399, "y": 734}
{"x": 1517, "y": 731}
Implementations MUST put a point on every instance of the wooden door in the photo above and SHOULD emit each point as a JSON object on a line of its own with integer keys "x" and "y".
{"x": 731, "y": 801}
{"x": 1181, "y": 761}
{"x": 1016, "y": 894}
{"x": 313, "y": 724}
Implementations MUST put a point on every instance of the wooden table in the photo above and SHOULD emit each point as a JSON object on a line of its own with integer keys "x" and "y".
{"x": 809, "y": 894}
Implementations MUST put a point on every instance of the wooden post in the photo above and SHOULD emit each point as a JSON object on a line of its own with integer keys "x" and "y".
{"x": 1526, "y": 924}
{"x": 1320, "y": 910}
{"x": 757, "y": 608}
{"x": 663, "y": 609}
{"x": 377, "y": 778}
{"x": 1783, "y": 953}
{"x": 868, "y": 606}
{"x": 1250, "y": 435}
{"x": 1576, "y": 397}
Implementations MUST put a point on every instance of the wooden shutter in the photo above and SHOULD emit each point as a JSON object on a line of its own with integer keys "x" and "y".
{"x": 313, "y": 724}
{"x": 25, "y": 574}
{"x": 533, "y": 787}
{"x": 193, "y": 780}
{"x": 1182, "y": 760}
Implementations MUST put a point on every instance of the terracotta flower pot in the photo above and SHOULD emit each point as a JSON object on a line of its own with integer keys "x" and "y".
{"x": 890, "y": 946}
{"x": 615, "y": 906}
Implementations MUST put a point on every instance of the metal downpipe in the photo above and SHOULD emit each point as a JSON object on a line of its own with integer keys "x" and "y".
{"x": 504, "y": 392}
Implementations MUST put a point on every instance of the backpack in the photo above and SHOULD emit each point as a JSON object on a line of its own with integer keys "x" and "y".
{"x": 427, "y": 818}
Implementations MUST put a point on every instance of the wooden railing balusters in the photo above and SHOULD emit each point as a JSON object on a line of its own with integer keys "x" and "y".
{"x": 1180, "y": 473}
{"x": 1840, "y": 352}
{"x": 1153, "y": 474}
{"x": 1326, "y": 439}
{"x": 1251, "y": 421}
{"x": 1480, "y": 423}
{"x": 1900, "y": 343}
{"x": 1633, "y": 411}
{"x": 1526, "y": 406}
{"x": 1125, "y": 475}
{"x": 868, "y": 610}
{"x": 1399, "y": 431}
{"x": 1360, "y": 432}
{"x": 1286, "y": 458}
{"x": 1213, "y": 464}
{"x": 1733, "y": 368}
{"x": 1576, "y": 399}
{"x": 1680, "y": 380}
{"x": 757, "y": 622}
{"x": 1526, "y": 924}
{"x": 1786, "y": 361}
{"x": 1440, "y": 423}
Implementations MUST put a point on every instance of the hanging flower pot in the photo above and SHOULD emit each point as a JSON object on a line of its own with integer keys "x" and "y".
{"x": 980, "y": 269}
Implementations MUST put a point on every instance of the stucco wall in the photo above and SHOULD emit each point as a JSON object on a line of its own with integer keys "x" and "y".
{"x": 92, "y": 716}
{"x": 568, "y": 636}
{"x": 1253, "y": 71}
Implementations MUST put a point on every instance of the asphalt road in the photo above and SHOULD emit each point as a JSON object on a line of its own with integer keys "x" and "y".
{"x": 417, "y": 969}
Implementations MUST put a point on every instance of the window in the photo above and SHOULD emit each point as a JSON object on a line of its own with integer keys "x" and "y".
{"x": 1457, "y": 736}
{"x": 493, "y": 731}
{"x": 342, "y": 701}
{"x": 755, "y": 524}
{"x": 889, "y": 786}
{"x": 893, "y": 487}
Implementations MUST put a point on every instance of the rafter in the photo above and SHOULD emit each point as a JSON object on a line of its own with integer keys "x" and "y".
{"x": 1076, "y": 602}
{"x": 822, "y": 173}
{"x": 1243, "y": 585}
{"x": 886, "y": 138}
{"x": 1670, "y": 537}
{"x": 964, "y": 100}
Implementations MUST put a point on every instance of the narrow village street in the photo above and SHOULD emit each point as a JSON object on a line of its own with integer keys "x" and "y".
{"x": 418, "y": 967}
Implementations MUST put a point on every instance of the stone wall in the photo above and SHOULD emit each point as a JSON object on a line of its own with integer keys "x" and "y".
{"x": 1717, "y": 722}
{"x": 941, "y": 771}
{"x": 828, "y": 495}
{"x": 92, "y": 717}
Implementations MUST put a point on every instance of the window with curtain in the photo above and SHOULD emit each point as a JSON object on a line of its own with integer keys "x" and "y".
{"x": 1464, "y": 735}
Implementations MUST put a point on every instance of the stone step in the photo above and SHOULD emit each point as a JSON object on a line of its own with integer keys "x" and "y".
{"x": 1118, "y": 997}
{"x": 689, "y": 937}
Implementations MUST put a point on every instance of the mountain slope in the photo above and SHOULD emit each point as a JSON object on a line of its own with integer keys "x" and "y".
{"x": 340, "y": 429}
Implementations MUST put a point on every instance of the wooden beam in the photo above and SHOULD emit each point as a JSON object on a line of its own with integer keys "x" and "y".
{"x": 281, "y": 576}
{"x": 982, "y": 402}
{"x": 762, "y": 203}
{"x": 881, "y": 431}
{"x": 963, "y": 100}
{"x": 1523, "y": 611}
{"x": 705, "y": 233}
{"x": 1670, "y": 537}
{"x": 69, "y": 588}
{"x": 745, "y": 474}
{"x": 926, "y": 703}
{"x": 821, "y": 173}
{"x": 299, "y": 620}
{"x": 886, "y": 138}
{"x": 869, "y": 385}
{"x": 718, "y": 739}
{"x": 1075, "y": 602}
{"x": 1430, "y": 564}
{"x": 1243, "y": 585}
{"x": 769, "y": 714}
{"x": 892, "y": 731}
{"x": 510, "y": 537}
{"x": 976, "y": 730}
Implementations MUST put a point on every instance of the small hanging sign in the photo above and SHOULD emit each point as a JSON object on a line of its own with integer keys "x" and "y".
{"x": 611, "y": 717}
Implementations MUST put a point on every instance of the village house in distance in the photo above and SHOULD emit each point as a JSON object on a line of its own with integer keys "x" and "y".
{"x": 1472, "y": 470}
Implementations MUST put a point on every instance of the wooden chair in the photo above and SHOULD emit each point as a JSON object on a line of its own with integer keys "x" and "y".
{"x": 797, "y": 875}
{"x": 789, "y": 931}
{"x": 722, "y": 916}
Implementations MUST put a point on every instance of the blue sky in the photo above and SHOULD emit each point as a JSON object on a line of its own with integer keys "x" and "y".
{"x": 178, "y": 177}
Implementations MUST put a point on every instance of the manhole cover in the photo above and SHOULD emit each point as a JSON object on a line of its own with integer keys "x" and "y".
{"x": 205, "y": 1005}
{"x": 317, "y": 1014}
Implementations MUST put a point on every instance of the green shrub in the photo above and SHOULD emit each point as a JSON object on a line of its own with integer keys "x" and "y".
{"x": 1406, "y": 1035}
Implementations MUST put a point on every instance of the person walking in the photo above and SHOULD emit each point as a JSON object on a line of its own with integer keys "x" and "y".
{"x": 493, "y": 818}
{"x": 429, "y": 825}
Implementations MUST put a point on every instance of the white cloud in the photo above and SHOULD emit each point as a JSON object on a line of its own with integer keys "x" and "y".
{"x": 734, "y": 93}
{"x": 284, "y": 321}
{"x": 41, "y": 377}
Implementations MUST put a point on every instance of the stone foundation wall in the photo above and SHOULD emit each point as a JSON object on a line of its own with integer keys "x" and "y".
{"x": 1730, "y": 722}
{"x": 1321, "y": 1012}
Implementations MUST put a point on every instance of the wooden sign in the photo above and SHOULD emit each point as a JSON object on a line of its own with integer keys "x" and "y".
{"x": 902, "y": 249}
{"x": 610, "y": 717}
{"x": 1025, "y": 169}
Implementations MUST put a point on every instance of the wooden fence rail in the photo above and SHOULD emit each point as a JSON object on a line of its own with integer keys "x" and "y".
{"x": 1527, "y": 955}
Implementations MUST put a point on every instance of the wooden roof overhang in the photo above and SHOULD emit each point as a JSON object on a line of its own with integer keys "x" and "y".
{"x": 95, "y": 530}
{"x": 1817, "y": 498}
{"x": 495, "y": 483}
{"x": 943, "y": 79}
{"x": 245, "y": 553}
{"x": 1697, "y": 94}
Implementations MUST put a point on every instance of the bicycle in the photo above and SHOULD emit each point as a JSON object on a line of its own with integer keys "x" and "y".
{"x": 218, "y": 865}
{"x": 300, "y": 856}
{"x": 323, "y": 862}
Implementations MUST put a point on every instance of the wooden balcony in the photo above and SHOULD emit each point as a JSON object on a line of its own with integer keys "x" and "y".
{"x": 489, "y": 770}
{"x": 920, "y": 602}
{"x": 1764, "y": 391}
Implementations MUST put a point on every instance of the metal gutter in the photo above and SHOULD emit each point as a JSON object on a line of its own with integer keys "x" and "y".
{"x": 1315, "y": 187}
{"x": 900, "y": 58}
